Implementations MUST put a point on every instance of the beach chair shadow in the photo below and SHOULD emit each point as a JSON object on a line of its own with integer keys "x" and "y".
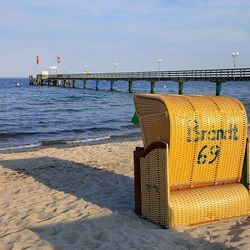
{"x": 121, "y": 227}
{"x": 83, "y": 181}
{"x": 115, "y": 232}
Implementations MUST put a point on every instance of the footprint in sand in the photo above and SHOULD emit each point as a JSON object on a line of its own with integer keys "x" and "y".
{"x": 22, "y": 223}
{"x": 46, "y": 216}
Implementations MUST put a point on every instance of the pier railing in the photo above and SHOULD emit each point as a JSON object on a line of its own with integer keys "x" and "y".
{"x": 238, "y": 74}
{"x": 217, "y": 76}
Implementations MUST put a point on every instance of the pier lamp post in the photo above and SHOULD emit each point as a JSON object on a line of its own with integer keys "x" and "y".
{"x": 234, "y": 55}
{"x": 159, "y": 66}
{"x": 114, "y": 65}
{"x": 85, "y": 69}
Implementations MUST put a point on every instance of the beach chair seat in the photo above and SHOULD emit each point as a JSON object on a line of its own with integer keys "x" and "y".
{"x": 194, "y": 164}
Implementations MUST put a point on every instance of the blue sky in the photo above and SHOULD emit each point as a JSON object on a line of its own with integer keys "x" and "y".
{"x": 186, "y": 34}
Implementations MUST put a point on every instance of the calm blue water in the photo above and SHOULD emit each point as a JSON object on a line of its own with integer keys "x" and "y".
{"x": 33, "y": 116}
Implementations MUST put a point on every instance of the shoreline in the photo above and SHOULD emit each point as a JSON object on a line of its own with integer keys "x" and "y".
{"x": 82, "y": 197}
{"x": 67, "y": 143}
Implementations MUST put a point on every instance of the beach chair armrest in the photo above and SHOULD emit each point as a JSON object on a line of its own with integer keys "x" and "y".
{"x": 248, "y": 162}
{"x": 246, "y": 167}
{"x": 151, "y": 181}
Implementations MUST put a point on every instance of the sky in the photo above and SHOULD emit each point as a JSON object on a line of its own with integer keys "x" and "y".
{"x": 185, "y": 34}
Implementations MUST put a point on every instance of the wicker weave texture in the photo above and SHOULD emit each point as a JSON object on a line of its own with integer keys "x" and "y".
{"x": 206, "y": 135}
{"x": 248, "y": 162}
{"x": 198, "y": 205}
{"x": 154, "y": 188}
{"x": 189, "y": 206}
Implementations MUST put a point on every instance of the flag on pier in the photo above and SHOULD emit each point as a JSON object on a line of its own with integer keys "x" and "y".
{"x": 37, "y": 60}
{"x": 58, "y": 59}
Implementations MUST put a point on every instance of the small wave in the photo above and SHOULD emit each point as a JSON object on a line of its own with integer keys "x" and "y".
{"x": 74, "y": 97}
{"x": 132, "y": 135}
{"x": 53, "y": 142}
{"x": 83, "y": 130}
{"x": 56, "y": 142}
{"x": 34, "y": 145}
{"x": 89, "y": 140}
{"x": 68, "y": 110}
{"x": 129, "y": 126}
{"x": 98, "y": 129}
{"x": 77, "y": 141}
{"x": 21, "y": 108}
{"x": 15, "y": 134}
{"x": 109, "y": 121}
{"x": 7, "y": 135}
{"x": 115, "y": 105}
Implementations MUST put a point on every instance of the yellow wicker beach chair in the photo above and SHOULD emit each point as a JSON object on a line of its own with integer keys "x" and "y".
{"x": 191, "y": 170}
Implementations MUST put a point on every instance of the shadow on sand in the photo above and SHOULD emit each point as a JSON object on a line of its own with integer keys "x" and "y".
{"x": 121, "y": 228}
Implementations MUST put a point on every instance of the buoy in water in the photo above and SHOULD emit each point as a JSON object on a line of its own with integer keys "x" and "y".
{"x": 17, "y": 84}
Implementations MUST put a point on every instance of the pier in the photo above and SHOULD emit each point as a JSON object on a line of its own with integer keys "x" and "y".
{"x": 217, "y": 76}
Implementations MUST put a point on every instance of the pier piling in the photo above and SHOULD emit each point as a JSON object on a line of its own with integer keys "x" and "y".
{"x": 181, "y": 88}
{"x": 97, "y": 85}
{"x": 218, "y": 88}
{"x": 55, "y": 83}
{"x": 84, "y": 83}
{"x": 152, "y": 86}
{"x": 130, "y": 86}
{"x": 112, "y": 85}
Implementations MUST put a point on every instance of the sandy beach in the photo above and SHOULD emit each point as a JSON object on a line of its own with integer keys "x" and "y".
{"x": 82, "y": 198}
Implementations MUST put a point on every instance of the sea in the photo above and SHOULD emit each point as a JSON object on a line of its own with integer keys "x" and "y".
{"x": 37, "y": 116}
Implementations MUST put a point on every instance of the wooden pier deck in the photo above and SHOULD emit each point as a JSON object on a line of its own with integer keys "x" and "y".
{"x": 218, "y": 76}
